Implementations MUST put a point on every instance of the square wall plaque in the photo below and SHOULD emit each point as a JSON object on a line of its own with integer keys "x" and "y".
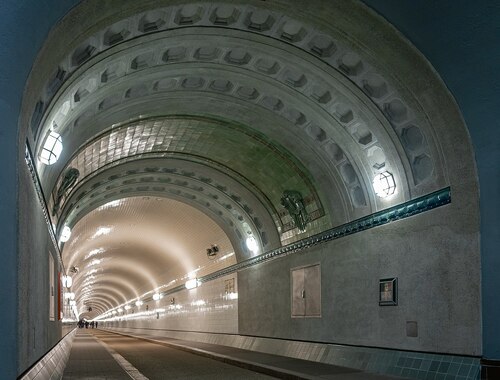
{"x": 388, "y": 292}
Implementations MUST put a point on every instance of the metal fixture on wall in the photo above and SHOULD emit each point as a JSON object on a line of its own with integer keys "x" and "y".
{"x": 293, "y": 202}
{"x": 212, "y": 251}
{"x": 70, "y": 177}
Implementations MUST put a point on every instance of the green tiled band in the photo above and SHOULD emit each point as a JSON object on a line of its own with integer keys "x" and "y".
{"x": 401, "y": 211}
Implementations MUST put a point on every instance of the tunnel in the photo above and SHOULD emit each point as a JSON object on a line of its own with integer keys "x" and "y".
{"x": 312, "y": 181}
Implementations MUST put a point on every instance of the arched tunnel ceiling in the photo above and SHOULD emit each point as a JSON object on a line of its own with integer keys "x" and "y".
{"x": 221, "y": 106}
{"x": 132, "y": 247}
{"x": 210, "y": 143}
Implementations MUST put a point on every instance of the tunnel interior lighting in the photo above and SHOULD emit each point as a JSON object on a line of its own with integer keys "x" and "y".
{"x": 94, "y": 252}
{"x": 191, "y": 284}
{"x": 92, "y": 263}
{"x": 252, "y": 245}
{"x": 67, "y": 281}
{"x": 139, "y": 303}
{"x": 232, "y": 296}
{"x": 69, "y": 296}
{"x": 102, "y": 231}
{"x": 157, "y": 296}
{"x": 384, "y": 184}
{"x": 65, "y": 234}
{"x": 114, "y": 203}
{"x": 52, "y": 148}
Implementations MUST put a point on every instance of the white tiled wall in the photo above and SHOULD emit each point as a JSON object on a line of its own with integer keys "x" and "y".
{"x": 51, "y": 366}
{"x": 211, "y": 307}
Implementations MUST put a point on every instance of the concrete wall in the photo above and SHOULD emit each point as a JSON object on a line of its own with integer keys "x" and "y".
{"x": 36, "y": 333}
{"x": 461, "y": 39}
{"x": 52, "y": 365}
{"x": 24, "y": 28}
{"x": 434, "y": 256}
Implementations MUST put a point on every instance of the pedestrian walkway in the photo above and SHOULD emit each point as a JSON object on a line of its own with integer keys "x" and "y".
{"x": 99, "y": 354}
{"x": 90, "y": 359}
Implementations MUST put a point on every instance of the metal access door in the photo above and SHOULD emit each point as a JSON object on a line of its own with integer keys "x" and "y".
{"x": 306, "y": 291}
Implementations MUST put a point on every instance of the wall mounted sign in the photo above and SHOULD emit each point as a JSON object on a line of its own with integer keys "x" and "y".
{"x": 388, "y": 292}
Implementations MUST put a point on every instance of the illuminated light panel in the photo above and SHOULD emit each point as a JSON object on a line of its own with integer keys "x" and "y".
{"x": 52, "y": 149}
{"x": 193, "y": 283}
{"x": 102, "y": 231}
{"x": 92, "y": 263}
{"x": 67, "y": 281}
{"x": 69, "y": 296}
{"x": 94, "y": 252}
{"x": 65, "y": 234}
{"x": 252, "y": 245}
{"x": 157, "y": 296}
{"x": 232, "y": 296}
{"x": 384, "y": 184}
{"x": 198, "y": 303}
{"x": 225, "y": 257}
{"x": 111, "y": 204}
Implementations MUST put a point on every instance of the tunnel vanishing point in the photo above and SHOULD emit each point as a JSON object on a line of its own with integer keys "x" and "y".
{"x": 318, "y": 173}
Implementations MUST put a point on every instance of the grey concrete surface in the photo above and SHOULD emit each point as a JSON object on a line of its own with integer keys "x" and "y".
{"x": 432, "y": 262}
{"x": 35, "y": 246}
{"x": 90, "y": 359}
{"x": 275, "y": 365}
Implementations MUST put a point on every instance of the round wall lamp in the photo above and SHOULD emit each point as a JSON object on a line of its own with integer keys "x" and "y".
{"x": 52, "y": 148}
{"x": 384, "y": 184}
{"x": 157, "y": 296}
{"x": 67, "y": 281}
{"x": 65, "y": 234}
{"x": 252, "y": 244}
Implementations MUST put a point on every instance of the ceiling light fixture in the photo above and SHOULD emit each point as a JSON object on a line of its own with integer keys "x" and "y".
{"x": 384, "y": 184}
{"x": 52, "y": 148}
{"x": 157, "y": 296}
{"x": 252, "y": 245}
{"x": 65, "y": 234}
{"x": 67, "y": 281}
{"x": 193, "y": 283}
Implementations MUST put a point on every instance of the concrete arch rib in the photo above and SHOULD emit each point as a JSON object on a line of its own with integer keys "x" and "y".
{"x": 343, "y": 65}
{"x": 228, "y": 200}
{"x": 360, "y": 134}
{"x": 347, "y": 103}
